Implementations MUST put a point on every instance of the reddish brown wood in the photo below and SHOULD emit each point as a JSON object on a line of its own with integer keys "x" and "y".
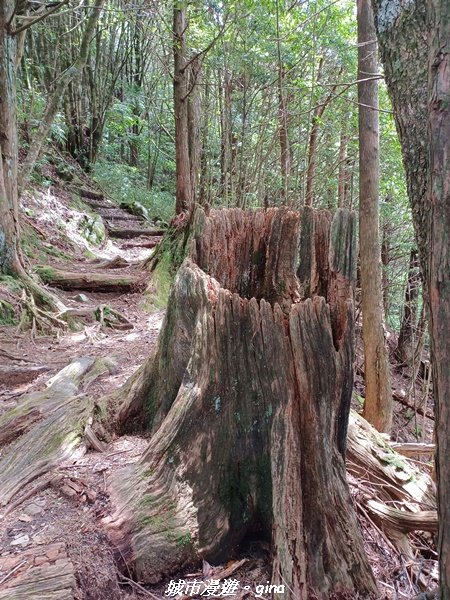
{"x": 247, "y": 400}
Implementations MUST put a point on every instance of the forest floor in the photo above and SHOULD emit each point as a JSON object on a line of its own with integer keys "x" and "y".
{"x": 61, "y": 523}
{"x": 69, "y": 516}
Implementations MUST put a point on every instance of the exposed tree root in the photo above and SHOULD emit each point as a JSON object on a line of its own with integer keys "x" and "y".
{"x": 402, "y": 521}
{"x": 42, "y": 297}
{"x": 40, "y": 319}
{"x": 49, "y": 426}
{"x": 104, "y": 314}
{"x": 43, "y": 573}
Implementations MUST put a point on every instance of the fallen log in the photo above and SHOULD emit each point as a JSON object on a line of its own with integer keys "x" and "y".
{"x": 90, "y": 282}
{"x": 91, "y": 194}
{"x": 111, "y": 263}
{"x": 414, "y": 449}
{"x": 132, "y": 232}
{"x": 406, "y": 497}
{"x": 372, "y": 457}
{"x": 418, "y": 409}
{"x": 119, "y": 215}
{"x": 147, "y": 243}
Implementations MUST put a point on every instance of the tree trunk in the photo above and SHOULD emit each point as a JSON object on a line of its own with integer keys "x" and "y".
{"x": 378, "y": 396}
{"x": 385, "y": 259}
{"x": 285, "y": 163}
{"x": 438, "y": 196}
{"x": 406, "y": 346}
{"x": 401, "y": 30}
{"x": 342, "y": 176}
{"x": 194, "y": 113}
{"x": 248, "y": 436}
{"x": 404, "y": 50}
{"x": 226, "y": 137}
{"x": 9, "y": 217}
{"x": 184, "y": 192}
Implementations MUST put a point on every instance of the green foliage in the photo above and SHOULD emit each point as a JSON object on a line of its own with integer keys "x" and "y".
{"x": 8, "y": 314}
{"x": 126, "y": 184}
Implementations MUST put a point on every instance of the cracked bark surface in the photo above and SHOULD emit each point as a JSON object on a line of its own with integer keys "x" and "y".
{"x": 248, "y": 400}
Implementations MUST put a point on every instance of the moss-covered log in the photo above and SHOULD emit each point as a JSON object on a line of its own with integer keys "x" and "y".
{"x": 248, "y": 399}
{"x": 89, "y": 281}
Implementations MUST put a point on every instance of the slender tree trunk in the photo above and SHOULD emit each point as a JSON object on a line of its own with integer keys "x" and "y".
{"x": 439, "y": 264}
{"x": 225, "y": 96}
{"x": 407, "y": 338}
{"x": 385, "y": 259}
{"x": 378, "y": 398}
{"x": 313, "y": 140}
{"x": 9, "y": 213}
{"x": 184, "y": 191}
{"x": 51, "y": 109}
{"x": 204, "y": 191}
{"x": 285, "y": 165}
{"x": 194, "y": 113}
{"x": 342, "y": 175}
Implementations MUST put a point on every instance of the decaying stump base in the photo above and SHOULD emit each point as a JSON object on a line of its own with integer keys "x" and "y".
{"x": 248, "y": 399}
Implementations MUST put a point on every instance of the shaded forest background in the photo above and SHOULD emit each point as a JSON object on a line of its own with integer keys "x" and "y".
{"x": 273, "y": 111}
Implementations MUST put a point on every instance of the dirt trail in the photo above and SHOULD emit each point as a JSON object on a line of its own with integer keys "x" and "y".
{"x": 56, "y": 533}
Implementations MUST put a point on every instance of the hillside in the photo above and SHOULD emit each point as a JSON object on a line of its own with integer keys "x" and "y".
{"x": 92, "y": 253}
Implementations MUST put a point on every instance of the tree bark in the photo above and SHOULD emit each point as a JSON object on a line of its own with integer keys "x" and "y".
{"x": 406, "y": 345}
{"x": 402, "y": 30}
{"x": 9, "y": 212}
{"x": 248, "y": 437}
{"x": 378, "y": 396}
{"x": 438, "y": 196}
{"x": 402, "y": 34}
{"x": 184, "y": 191}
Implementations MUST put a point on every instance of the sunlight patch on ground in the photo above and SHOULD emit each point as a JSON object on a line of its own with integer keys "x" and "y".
{"x": 48, "y": 209}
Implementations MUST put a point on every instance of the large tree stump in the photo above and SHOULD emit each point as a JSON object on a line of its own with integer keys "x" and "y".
{"x": 248, "y": 399}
